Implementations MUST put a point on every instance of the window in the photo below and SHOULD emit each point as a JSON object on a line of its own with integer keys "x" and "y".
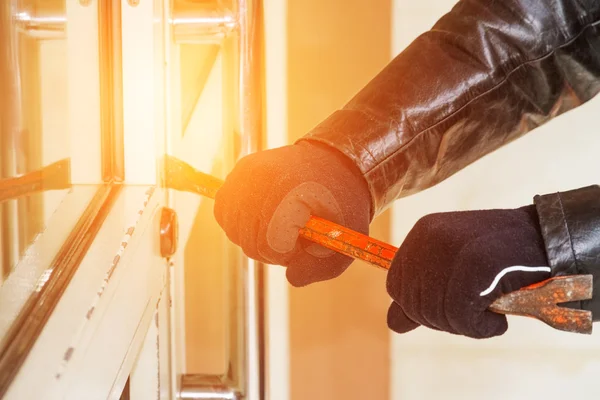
{"x": 59, "y": 157}
{"x": 147, "y": 87}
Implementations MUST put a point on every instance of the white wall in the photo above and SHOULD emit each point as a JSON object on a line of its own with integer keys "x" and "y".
{"x": 531, "y": 360}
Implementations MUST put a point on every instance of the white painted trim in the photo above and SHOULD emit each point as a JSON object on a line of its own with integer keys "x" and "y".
{"x": 167, "y": 387}
{"x": 176, "y": 277}
{"x": 253, "y": 338}
{"x": 277, "y": 308}
{"x": 143, "y": 380}
{"x": 88, "y": 346}
{"x": 150, "y": 377}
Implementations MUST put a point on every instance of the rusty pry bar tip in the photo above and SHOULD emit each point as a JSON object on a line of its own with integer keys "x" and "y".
{"x": 542, "y": 300}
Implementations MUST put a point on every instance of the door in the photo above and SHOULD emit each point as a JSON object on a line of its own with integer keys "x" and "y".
{"x": 127, "y": 284}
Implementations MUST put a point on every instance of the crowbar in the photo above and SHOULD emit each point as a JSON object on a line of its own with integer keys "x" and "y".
{"x": 540, "y": 301}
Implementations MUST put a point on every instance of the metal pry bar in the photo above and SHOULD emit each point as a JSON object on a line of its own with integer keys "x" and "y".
{"x": 540, "y": 301}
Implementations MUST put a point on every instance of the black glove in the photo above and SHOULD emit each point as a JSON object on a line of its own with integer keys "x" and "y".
{"x": 270, "y": 195}
{"x": 452, "y": 266}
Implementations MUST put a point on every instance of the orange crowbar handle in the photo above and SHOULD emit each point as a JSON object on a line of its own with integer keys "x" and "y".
{"x": 349, "y": 242}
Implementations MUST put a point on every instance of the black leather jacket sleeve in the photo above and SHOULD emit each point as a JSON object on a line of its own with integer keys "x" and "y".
{"x": 485, "y": 74}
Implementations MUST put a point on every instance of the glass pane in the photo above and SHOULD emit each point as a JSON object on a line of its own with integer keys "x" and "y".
{"x": 49, "y": 117}
{"x": 205, "y": 258}
{"x": 216, "y": 116}
{"x": 206, "y": 136}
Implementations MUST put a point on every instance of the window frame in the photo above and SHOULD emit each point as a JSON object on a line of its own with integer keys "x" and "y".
{"x": 90, "y": 21}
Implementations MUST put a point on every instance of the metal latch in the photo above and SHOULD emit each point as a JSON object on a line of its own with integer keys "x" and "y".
{"x": 169, "y": 232}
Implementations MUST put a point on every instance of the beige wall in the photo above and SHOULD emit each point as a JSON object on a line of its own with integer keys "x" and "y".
{"x": 339, "y": 343}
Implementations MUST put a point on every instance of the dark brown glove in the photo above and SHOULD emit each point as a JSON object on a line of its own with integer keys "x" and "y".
{"x": 270, "y": 195}
{"x": 452, "y": 266}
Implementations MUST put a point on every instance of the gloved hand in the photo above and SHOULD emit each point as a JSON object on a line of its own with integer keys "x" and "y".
{"x": 270, "y": 195}
{"x": 452, "y": 266}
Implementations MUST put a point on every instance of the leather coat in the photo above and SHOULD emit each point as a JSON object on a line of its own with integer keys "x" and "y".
{"x": 485, "y": 74}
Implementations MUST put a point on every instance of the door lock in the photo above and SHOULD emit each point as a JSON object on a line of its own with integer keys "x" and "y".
{"x": 169, "y": 230}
